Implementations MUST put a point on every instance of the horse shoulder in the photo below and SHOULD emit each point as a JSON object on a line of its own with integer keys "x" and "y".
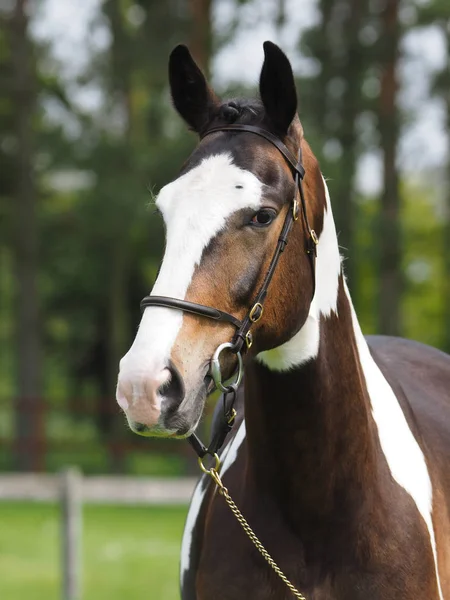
{"x": 420, "y": 378}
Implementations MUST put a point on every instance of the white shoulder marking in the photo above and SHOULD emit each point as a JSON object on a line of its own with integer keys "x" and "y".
{"x": 305, "y": 344}
{"x": 403, "y": 454}
{"x": 233, "y": 449}
{"x": 229, "y": 455}
{"x": 191, "y": 520}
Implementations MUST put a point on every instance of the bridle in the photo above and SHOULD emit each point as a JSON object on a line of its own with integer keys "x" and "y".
{"x": 242, "y": 339}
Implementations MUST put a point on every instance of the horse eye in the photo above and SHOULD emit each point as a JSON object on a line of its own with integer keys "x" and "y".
{"x": 263, "y": 217}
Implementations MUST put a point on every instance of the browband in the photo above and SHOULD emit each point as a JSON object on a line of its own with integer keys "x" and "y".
{"x": 295, "y": 164}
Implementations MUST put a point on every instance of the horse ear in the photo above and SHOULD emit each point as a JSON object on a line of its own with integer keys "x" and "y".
{"x": 277, "y": 88}
{"x": 191, "y": 95}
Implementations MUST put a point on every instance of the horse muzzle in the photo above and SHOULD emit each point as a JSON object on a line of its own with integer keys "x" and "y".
{"x": 159, "y": 404}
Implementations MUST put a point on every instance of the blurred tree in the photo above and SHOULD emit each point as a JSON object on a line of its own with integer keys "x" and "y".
{"x": 334, "y": 103}
{"x": 121, "y": 70}
{"x": 437, "y": 13}
{"x": 7, "y": 185}
{"x": 201, "y": 33}
{"x": 389, "y": 237}
{"x": 7, "y": 162}
{"x": 422, "y": 264}
{"x": 352, "y": 41}
{"x": 25, "y": 243}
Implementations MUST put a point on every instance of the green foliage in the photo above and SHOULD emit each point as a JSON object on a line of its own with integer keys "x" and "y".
{"x": 422, "y": 266}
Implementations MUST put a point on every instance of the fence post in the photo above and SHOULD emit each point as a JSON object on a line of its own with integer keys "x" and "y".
{"x": 71, "y": 530}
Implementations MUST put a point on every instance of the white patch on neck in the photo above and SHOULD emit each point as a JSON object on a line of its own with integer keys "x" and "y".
{"x": 228, "y": 457}
{"x": 403, "y": 454}
{"x": 232, "y": 449}
{"x": 305, "y": 344}
{"x": 196, "y": 206}
{"x": 191, "y": 520}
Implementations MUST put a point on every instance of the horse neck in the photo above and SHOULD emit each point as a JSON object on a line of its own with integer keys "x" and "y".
{"x": 310, "y": 435}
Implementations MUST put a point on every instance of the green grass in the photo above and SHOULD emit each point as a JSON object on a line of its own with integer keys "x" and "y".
{"x": 128, "y": 552}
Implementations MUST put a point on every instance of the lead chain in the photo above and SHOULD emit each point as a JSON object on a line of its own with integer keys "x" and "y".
{"x": 223, "y": 491}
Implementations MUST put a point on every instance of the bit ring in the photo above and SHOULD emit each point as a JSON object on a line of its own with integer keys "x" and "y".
{"x": 216, "y": 372}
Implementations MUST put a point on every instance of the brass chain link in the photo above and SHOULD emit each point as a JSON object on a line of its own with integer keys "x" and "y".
{"x": 223, "y": 491}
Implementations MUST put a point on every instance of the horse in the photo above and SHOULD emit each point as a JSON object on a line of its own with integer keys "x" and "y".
{"x": 339, "y": 458}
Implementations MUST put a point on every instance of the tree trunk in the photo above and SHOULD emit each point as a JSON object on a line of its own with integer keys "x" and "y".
{"x": 28, "y": 401}
{"x": 389, "y": 237}
{"x": 121, "y": 78}
{"x": 352, "y": 71}
{"x": 201, "y": 33}
{"x": 320, "y": 104}
{"x": 446, "y": 243}
{"x": 281, "y": 14}
{"x": 121, "y": 61}
{"x": 446, "y": 231}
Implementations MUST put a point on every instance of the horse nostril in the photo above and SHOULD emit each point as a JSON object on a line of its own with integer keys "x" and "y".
{"x": 139, "y": 427}
{"x": 173, "y": 388}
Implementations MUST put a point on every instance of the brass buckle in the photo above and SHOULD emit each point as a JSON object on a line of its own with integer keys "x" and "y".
{"x": 295, "y": 209}
{"x": 314, "y": 237}
{"x": 251, "y": 315}
{"x": 249, "y": 339}
{"x": 232, "y": 416}
{"x": 216, "y": 466}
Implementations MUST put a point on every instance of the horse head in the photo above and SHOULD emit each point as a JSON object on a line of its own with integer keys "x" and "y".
{"x": 224, "y": 216}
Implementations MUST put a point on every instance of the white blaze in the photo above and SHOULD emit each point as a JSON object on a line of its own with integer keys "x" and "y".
{"x": 195, "y": 207}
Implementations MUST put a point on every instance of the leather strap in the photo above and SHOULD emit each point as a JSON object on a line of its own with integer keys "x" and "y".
{"x": 242, "y": 332}
{"x": 311, "y": 245}
{"x": 192, "y": 307}
{"x": 243, "y": 327}
{"x": 224, "y": 426}
{"x": 295, "y": 164}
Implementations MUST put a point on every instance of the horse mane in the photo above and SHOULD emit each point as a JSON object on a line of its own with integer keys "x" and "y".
{"x": 242, "y": 111}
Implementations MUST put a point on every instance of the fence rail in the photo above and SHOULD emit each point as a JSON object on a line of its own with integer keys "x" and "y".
{"x": 107, "y": 489}
{"x": 95, "y": 437}
{"x": 71, "y": 489}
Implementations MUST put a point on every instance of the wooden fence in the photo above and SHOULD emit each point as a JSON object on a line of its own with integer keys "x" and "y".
{"x": 71, "y": 489}
{"x": 108, "y": 446}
